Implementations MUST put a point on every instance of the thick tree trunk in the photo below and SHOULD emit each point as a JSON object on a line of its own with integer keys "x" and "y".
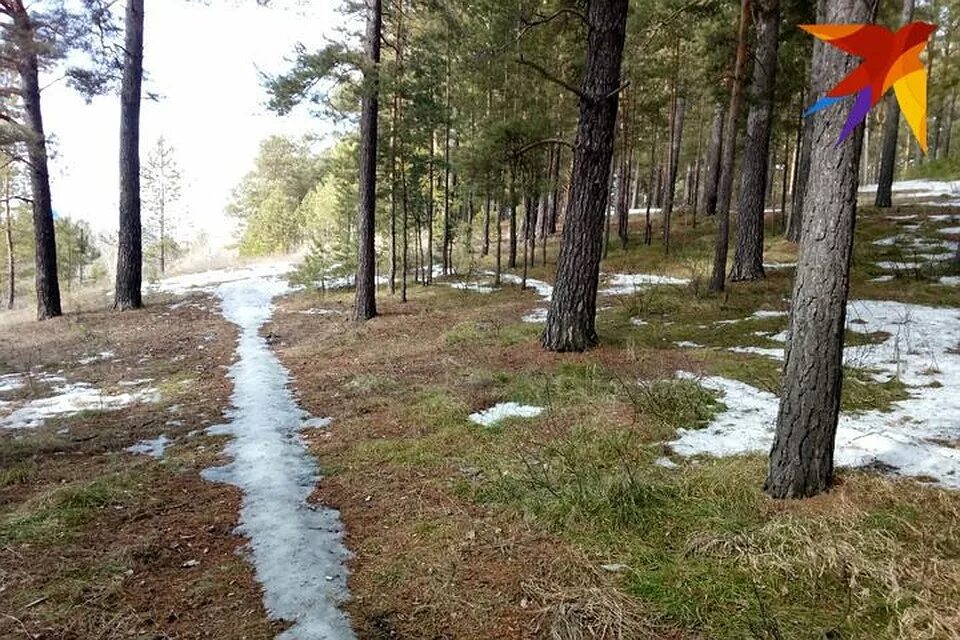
{"x": 725, "y": 186}
{"x": 708, "y": 201}
{"x": 571, "y": 320}
{"x": 891, "y": 129}
{"x": 366, "y": 298}
{"x": 748, "y": 258}
{"x": 672, "y": 161}
{"x": 130, "y": 247}
{"x": 47, "y": 283}
{"x": 801, "y": 461}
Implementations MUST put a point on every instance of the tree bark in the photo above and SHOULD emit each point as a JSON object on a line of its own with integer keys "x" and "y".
{"x": 47, "y": 282}
{"x": 130, "y": 247}
{"x": 725, "y": 186}
{"x": 748, "y": 258}
{"x": 11, "y": 259}
{"x": 366, "y": 298}
{"x": 672, "y": 161}
{"x": 801, "y": 461}
{"x": 571, "y": 322}
{"x": 708, "y": 202}
{"x": 891, "y": 130}
{"x": 800, "y": 176}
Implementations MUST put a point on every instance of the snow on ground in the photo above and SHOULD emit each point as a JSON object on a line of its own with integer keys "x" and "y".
{"x": 502, "y": 411}
{"x": 296, "y": 546}
{"x": 921, "y": 188}
{"x": 950, "y": 231}
{"x": 153, "y": 448}
{"x": 98, "y": 357}
{"x": 208, "y": 280}
{"x": 319, "y": 312}
{"x": 912, "y": 438}
{"x": 11, "y": 382}
{"x": 950, "y": 281}
{"x": 620, "y": 284}
{"x": 68, "y": 399}
{"x": 537, "y": 316}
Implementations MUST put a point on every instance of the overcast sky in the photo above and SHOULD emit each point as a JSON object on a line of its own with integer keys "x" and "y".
{"x": 204, "y": 61}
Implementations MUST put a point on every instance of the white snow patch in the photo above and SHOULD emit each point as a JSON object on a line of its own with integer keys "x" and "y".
{"x": 887, "y": 278}
{"x": 685, "y": 344}
{"x": 920, "y": 351}
{"x": 543, "y": 289}
{"x": 319, "y": 312}
{"x": 537, "y": 316}
{"x": 296, "y": 546}
{"x": 99, "y": 357}
{"x": 626, "y": 283}
{"x": 638, "y": 322}
{"x": 208, "y": 280}
{"x": 666, "y": 463}
{"x": 153, "y": 448}
{"x": 70, "y": 399}
{"x": 950, "y": 231}
{"x": 950, "y": 281}
{"x": 504, "y": 410}
{"x": 476, "y": 287}
{"x": 11, "y": 382}
{"x": 920, "y": 188}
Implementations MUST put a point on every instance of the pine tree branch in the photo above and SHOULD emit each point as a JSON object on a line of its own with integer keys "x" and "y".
{"x": 549, "y": 76}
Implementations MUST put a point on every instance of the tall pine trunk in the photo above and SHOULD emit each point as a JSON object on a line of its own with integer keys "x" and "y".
{"x": 366, "y": 299}
{"x": 725, "y": 186}
{"x": 571, "y": 322}
{"x": 708, "y": 201}
{"x": 891, "y": 130}
{"x": 673, "y": 160}
{"x": 47, "y": 282}
{"x": 11, "y": 259}
{"x": 130, "y": 247}
{"x": 801, "y": 461}
{"x": 748, "y": 258}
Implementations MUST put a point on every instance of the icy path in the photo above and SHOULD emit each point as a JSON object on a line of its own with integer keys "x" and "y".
{"x": 919, "y": 436}
{"x": 296, "y": 547}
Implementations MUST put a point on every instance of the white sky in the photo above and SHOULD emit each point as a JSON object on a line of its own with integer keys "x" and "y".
{"x": 203, "y": 60}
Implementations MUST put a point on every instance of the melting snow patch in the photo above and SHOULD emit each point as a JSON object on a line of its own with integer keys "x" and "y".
{"x": 502, "y": 411}
{"x": 543, "y": 289}
{"x": 153, "y": 448}
{"x": 476, "y": 287}
{"x": 71, "y": 399}
{"x": 950, "y": 231}
{"x": 626, "y": 283}
{"x": 684, "y": 344}
{"x": 638, "y": 322}
{"x": 537, "y": 316}
{"x": 920, "y": 351}
{"x": 296, "y": 546}
{"x": 950, "y": 281}
{"x": 100, "y": 357}
{"x": 11, "y": 382}
{"x": 319, "y": 312}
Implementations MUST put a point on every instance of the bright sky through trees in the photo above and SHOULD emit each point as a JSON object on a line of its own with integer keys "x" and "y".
{"x": 204, "y": 62}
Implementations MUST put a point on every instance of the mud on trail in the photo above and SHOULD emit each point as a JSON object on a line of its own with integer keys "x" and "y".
{"x": 96, "y": 542}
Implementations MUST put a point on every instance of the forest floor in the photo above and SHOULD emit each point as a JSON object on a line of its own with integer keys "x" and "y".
{"x": 581, "y": 521}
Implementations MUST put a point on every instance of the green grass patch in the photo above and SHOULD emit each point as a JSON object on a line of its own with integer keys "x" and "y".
{"x": 58, "y": 515}
{"x": 707, "y": 550}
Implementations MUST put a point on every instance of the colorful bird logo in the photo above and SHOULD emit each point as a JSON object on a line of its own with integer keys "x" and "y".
{"x": 889, "y": 60}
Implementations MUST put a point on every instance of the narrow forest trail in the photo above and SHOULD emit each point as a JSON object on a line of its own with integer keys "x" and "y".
{"x": 296, "y": 547}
